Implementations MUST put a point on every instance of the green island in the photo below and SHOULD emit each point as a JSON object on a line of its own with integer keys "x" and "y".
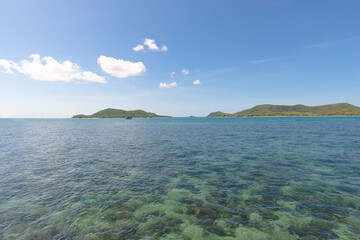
{"x": 268, "y": 110}
{"x": 119, "y": 113}
{"x": 217, "y": 114}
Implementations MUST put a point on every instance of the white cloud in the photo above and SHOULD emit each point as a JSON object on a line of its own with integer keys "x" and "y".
{"x": 138, "y": 48}
{"x": 185, "y": 72}
{"x": 120, "y": 68}
{"x": 48, "y": 69}
{"x": 5, "y": 66}
{"x": 91, "y": 77}
{"x": 167, "y": 85}
{"x": 172, "y": 74}
{"x": 150, "y": 43}
{"x": 197, "y": 82}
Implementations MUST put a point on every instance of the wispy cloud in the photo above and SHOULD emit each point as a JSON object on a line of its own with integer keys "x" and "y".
{"x": 267, "y": 60}
{"x": 331, "y": 43}
{"x": 319, "y": 45}
{"x": 185, "y": 72}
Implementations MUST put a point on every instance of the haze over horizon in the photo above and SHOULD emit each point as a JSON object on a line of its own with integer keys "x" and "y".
{"x": 62, "y": 58}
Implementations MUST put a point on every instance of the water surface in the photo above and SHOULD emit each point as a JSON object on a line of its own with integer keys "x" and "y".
{"x": 180, "y": 178}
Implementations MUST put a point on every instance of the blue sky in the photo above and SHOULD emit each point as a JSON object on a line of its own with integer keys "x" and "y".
{"x": 243, "y": 52}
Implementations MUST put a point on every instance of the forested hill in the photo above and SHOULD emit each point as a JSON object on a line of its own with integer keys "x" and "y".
{"x": 119, "y": 113}
{"x": 338, "y": 109}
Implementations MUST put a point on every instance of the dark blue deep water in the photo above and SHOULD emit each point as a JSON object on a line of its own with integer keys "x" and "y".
{"x": 180, "y": 178}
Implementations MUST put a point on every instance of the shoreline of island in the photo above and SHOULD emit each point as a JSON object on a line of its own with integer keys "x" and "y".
{"x": 264, "y": 110}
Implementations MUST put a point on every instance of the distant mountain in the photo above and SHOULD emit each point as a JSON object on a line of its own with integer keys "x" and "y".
{"x": 338, "y": 109}
{"x": 118, "y": 113}
{"x": 217, "y": 114}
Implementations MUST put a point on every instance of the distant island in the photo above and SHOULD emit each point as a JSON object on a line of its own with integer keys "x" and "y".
{"x": 118, "y": 113}
{"x": 217, "y": 114}
{"x": 268, "y": 110}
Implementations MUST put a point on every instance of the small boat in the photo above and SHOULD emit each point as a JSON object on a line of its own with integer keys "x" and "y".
{"x": 128, "y": 117}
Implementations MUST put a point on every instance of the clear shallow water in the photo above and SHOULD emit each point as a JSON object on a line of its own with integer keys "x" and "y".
{"x": 181, "y": 178}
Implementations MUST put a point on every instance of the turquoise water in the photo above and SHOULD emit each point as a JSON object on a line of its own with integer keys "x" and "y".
{"x": 180, "y": 178}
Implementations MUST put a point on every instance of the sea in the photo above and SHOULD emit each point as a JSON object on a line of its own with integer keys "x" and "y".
{"x": 259, "y": 178}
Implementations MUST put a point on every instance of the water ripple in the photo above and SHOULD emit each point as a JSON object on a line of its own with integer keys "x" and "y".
{"x": 181, "y": 178}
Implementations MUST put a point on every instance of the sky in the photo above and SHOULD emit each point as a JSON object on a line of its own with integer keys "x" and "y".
{"x": 177, "y": 58}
